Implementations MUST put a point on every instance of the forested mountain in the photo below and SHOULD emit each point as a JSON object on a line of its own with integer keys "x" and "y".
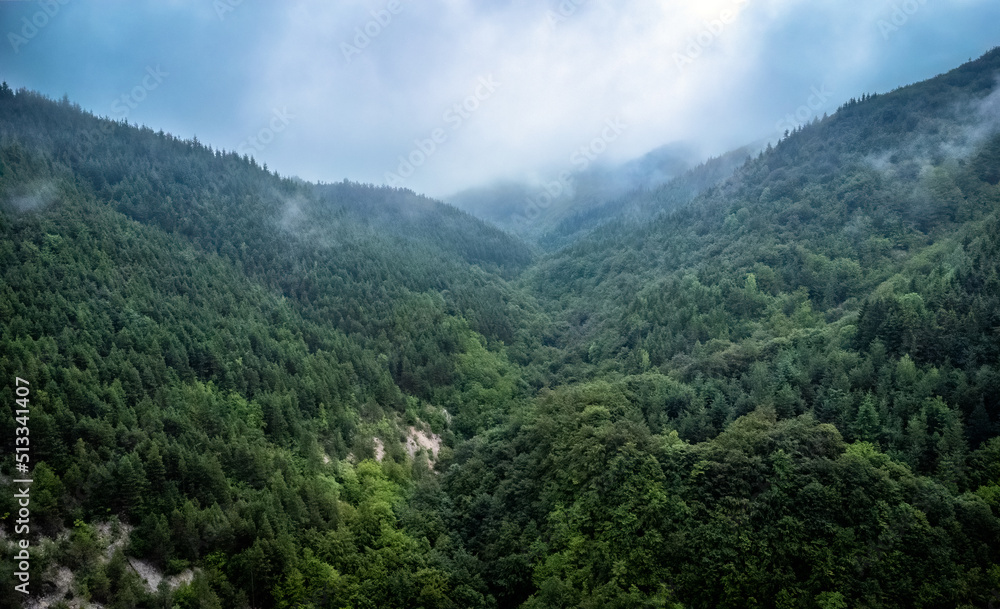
{"x": 249, "y": 391}
{"x": 203, "y": 337}
{"x": 643, "y": 203}
{"x": 585, "y": 191}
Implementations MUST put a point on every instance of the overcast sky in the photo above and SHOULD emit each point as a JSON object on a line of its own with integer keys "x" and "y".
{"x": 474, "y": 91}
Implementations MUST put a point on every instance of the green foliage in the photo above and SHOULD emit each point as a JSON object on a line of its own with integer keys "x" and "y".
{"x": 781, "y": 394}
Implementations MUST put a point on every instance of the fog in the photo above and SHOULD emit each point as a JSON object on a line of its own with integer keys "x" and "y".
{"x": 445, "y": 95}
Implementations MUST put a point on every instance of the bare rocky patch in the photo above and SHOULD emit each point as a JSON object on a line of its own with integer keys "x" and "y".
{"x": 418, "y": 440}
{"x": 152, "y": 576}
{"x": 59, "y": 580}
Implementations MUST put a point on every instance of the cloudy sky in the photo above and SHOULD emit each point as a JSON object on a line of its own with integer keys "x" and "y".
{"x": 471, "y": 91}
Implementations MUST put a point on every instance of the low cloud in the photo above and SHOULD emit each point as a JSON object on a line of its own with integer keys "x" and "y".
{"x": 369, "y": 80}
{"x": 719, "y": 73}
{"x": 37, "y": 196}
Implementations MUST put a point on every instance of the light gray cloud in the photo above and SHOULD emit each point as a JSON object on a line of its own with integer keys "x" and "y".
{"x": 718, "y": 73}
{"x": 35, "y": 196}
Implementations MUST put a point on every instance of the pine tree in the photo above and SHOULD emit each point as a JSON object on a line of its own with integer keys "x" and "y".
{"x": 867, "y": 426}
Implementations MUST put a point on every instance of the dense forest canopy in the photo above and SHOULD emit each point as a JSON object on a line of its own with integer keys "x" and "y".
{"x": 770, "y": 382}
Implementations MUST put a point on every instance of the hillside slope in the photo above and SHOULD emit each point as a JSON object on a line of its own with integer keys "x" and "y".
{"x": 214, "y": 351}
{"x": 781, "y": 394}
{"x": 844, "y": 281}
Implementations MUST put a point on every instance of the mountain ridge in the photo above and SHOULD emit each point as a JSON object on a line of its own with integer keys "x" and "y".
{"x": 779, "y": 390}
